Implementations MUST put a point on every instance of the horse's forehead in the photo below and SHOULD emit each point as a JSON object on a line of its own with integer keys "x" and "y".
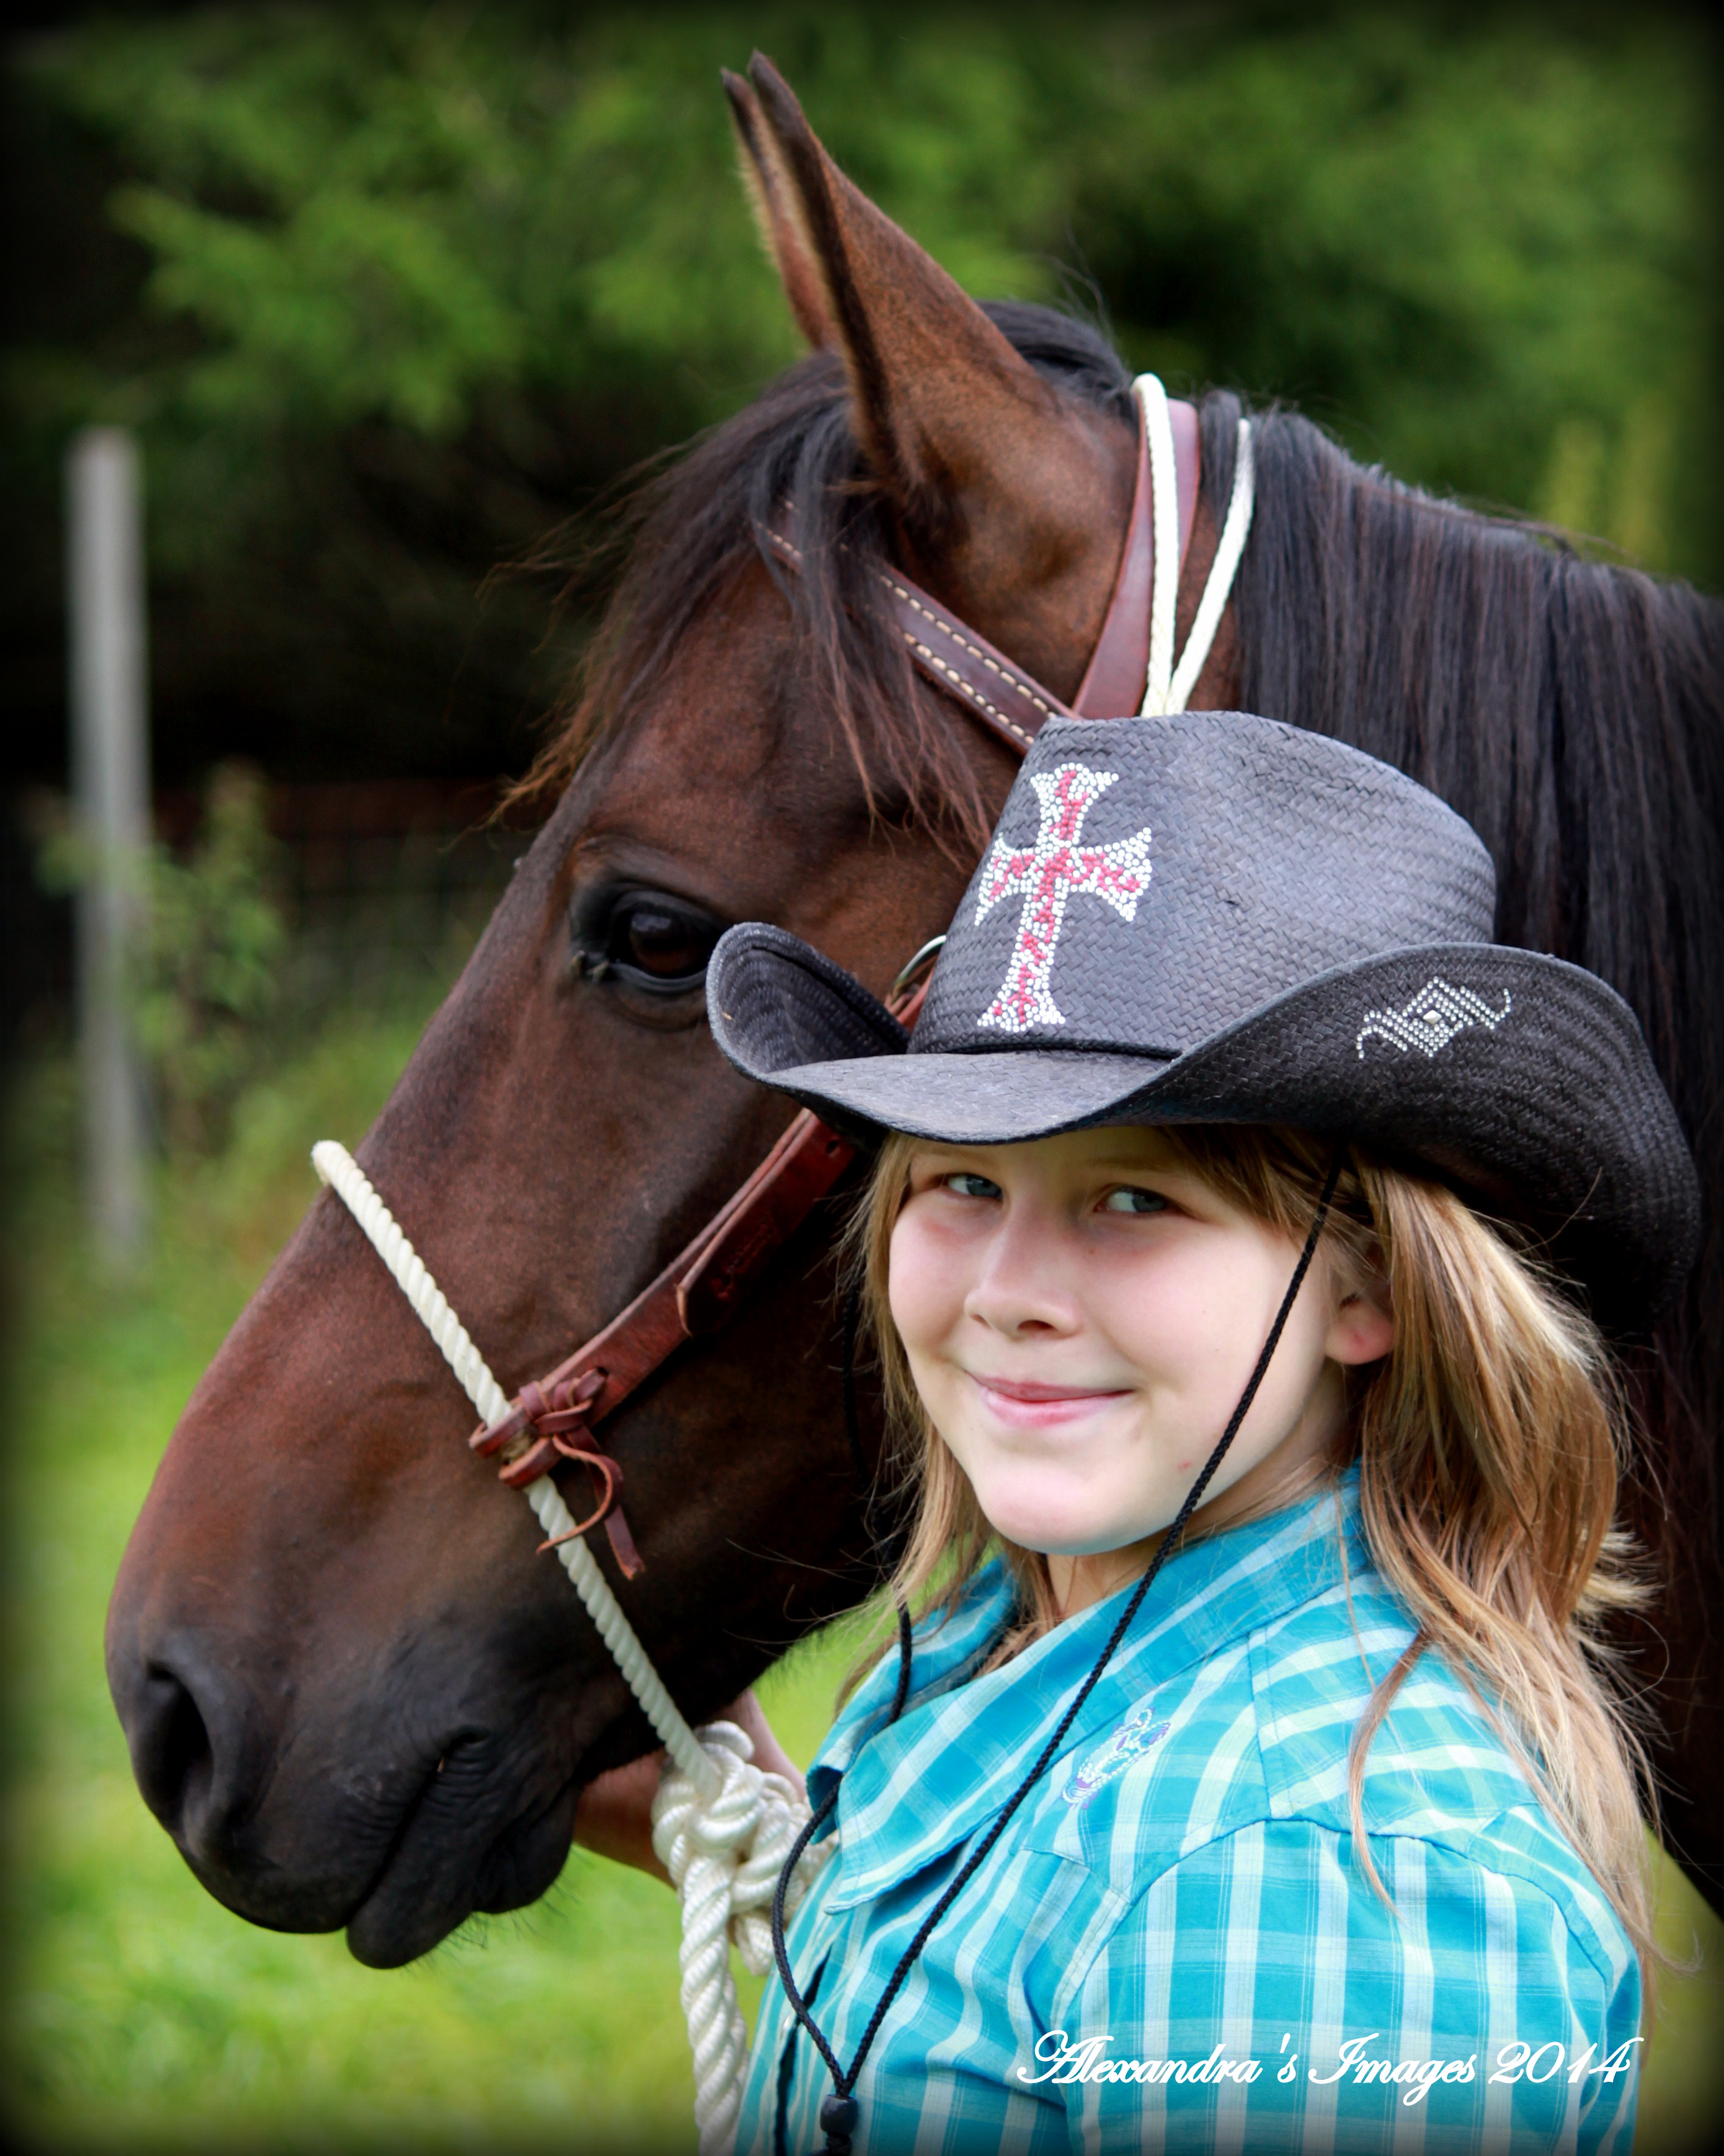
{"x": 731, "y": 738}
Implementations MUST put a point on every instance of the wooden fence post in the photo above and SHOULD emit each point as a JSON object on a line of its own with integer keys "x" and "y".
{"x": 111, "y": 780}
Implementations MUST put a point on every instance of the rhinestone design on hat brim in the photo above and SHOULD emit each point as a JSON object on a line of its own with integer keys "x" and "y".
{"x": 1430, "y": 1020}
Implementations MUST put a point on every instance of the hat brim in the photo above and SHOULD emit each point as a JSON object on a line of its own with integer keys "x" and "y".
{"x": 1547, "y": 1108}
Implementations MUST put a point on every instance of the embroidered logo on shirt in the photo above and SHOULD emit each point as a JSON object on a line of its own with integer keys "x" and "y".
{"x": 1129, "y": 1741}
{"x": 1431, "y": 1019}
{"x": 1046, "y": 873}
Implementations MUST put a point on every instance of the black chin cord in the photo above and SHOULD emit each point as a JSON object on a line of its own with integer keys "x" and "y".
{"x": 840, "y": 2112}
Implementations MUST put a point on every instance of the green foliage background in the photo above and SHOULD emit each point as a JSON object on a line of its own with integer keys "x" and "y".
{"x": 400, "y": 287}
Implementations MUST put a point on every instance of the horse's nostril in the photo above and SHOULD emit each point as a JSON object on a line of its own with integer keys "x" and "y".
{"x": 171, "y": 1751}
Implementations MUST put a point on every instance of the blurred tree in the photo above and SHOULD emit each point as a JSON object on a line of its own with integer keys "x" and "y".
{"x": 208, "y": 976}
{"x": 204, "y": 975}
{"x": 409, "y": 285}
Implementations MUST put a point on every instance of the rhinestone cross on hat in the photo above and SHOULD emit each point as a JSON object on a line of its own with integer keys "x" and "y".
{"x": 1047, "y": 873}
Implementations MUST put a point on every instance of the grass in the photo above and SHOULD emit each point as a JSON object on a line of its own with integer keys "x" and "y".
{"x": 139, "y": 2015}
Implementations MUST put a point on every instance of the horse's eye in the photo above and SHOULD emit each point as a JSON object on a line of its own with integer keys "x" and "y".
{"x": 652, "y": 941}
{"x": 661, "y": 942}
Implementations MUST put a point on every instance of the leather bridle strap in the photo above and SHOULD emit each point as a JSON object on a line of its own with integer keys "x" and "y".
{"x": 1008, "y": 701}
{"x": 693, "y": 1296}
{"x": 553, "y": 1419}
{"x": 961, "y": 660}
{"x": 1115, "y": 681}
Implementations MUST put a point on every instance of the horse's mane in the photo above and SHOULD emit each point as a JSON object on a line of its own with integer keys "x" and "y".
{"x": 1573, "y": 711}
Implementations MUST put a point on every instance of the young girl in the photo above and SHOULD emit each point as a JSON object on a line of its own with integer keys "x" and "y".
{"x": 1229, "y": 1254}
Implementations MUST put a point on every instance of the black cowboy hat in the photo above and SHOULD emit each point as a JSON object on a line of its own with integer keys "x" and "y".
{"x": 1212, "y": 918}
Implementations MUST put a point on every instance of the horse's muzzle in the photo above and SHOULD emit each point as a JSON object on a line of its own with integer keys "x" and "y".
{"x": 205, "y": 1759}
{"x": 306, "y": 1825}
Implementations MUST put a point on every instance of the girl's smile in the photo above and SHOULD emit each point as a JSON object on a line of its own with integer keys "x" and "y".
{"x": 1040, "y": 1407}
{"x": 1081, "y": 1315}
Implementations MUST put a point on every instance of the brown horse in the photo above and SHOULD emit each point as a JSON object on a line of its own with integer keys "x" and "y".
{"x": 353, "y": 1695}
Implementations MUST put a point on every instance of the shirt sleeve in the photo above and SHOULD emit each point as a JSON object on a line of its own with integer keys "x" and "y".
{"x": 1262, "y": 1996}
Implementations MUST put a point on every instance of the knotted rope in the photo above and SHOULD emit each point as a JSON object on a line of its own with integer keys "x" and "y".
{"x": 721, "y": 1826}
{"x": 724, "y": 1855}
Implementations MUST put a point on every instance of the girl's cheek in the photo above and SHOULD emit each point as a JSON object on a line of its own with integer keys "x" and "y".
{"x": 925, "y": 1278}
{"x": 1170, "y": 1318}
{"x": 1193, "y": 1319}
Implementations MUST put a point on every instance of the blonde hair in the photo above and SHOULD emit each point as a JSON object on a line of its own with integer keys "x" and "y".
{"x": 1489, "y": 1441}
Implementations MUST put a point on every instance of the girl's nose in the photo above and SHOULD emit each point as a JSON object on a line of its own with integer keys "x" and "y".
{"x": 1021, "y": 1287}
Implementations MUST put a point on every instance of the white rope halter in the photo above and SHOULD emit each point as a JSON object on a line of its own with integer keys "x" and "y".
{"x": 722, "y": 1827}
{"x": 1168, "y": 689}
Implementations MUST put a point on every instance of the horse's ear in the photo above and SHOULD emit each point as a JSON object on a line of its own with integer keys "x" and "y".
{"x": 975, "y": 448}
{"x": 774, "y": 203}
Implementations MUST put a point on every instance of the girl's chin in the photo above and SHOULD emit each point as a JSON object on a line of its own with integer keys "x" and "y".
{"x": 1062, "y": 1530}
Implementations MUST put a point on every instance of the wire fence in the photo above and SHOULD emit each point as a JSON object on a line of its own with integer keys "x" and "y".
{"x": 383, "y": 886}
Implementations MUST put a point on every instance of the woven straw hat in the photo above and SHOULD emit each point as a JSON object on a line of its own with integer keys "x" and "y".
{"x": 1212, "y": 918}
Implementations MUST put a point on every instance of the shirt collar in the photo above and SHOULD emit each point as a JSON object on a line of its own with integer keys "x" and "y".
{"x": 917, "y": 1789}
{"x": 947, "y": 1646}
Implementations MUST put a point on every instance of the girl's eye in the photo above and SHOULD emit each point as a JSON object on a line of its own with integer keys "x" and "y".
{"x": 972, "y": 1186}
{"x": 1134, "y": 1201}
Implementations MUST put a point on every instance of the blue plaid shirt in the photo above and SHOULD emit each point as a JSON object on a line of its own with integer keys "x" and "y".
{"x": 1180, "y": 1900}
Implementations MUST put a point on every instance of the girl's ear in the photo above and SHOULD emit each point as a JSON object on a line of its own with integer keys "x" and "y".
{"x": 1363, "y": 1327}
